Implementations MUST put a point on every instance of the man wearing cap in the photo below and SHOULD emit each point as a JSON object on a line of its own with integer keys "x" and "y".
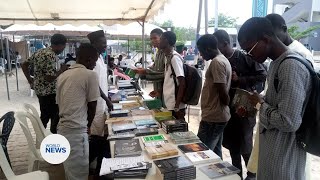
{"x": 98, "y": 145}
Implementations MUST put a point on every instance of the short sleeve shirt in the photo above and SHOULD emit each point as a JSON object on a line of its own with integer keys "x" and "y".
{"x": 75, "y": 88}
{"x": 44, "y": 63}
{"x": 219, "y": 72}
{"x": 169, "y": 88}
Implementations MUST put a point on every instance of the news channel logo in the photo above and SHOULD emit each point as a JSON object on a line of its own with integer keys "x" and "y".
{"x": 55, "y": 149}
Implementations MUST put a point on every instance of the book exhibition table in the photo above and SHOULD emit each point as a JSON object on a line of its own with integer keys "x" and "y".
{"x": 153, "y": 173}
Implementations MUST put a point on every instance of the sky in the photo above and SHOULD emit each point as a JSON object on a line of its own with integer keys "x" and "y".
{"x": 184, "y": 13}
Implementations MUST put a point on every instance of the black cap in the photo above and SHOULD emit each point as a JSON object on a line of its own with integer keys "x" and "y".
{"x": 94, "y": 36}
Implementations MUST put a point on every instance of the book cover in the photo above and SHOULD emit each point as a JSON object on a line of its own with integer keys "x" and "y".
{"x": 146, "y": 122}
{"x": 146, "y": 131}
{"x": 202, "y": 157}
{"x": 123, "y": 148}
{"x": 119, "y": 113}
{"x": 183, "y": 135}
{"x": 173, "y": 164}
{"x": 161, "y": 151}
{"x": 126, "y": 135}
{"x": 195, "y": 147}
{"x": 219, "y": 170}
{"x": 152, "y": 138}
{"x": 242, "y": 105}
{"x": 123, "y": 126}
{"x": 141, "y": 112}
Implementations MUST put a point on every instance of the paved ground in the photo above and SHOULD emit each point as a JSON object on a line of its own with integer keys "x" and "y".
{"x": 17, "y": 145}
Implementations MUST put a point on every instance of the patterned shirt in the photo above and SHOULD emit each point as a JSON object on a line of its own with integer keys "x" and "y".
{"x": 44, "y": 64}
{"x": 280, "y": 117}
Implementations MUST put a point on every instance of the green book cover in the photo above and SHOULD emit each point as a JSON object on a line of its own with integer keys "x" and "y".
{"x": 159, "y": 137}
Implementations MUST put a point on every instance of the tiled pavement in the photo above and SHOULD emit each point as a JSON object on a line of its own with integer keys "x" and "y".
{"x": 17, "y": 145}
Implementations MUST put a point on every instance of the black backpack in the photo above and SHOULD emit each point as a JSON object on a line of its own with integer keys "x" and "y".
{"x": 193, "y": 84}
{"x": 308, "y": 134}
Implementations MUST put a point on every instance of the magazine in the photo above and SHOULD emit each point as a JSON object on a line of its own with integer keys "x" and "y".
{"x": 219, "y": 170}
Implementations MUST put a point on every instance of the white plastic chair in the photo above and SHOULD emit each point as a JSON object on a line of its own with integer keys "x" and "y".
{"x": 32, "y": 110}
{"x": 34, "y": 153}
{"x": 9, "y": 174}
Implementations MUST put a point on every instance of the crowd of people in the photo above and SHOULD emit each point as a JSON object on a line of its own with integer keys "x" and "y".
{"x": 75, "y": 98}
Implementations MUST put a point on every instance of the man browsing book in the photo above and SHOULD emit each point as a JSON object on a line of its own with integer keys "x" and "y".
{"x": 248, "y": 75}
{"x": 214, "y": 98}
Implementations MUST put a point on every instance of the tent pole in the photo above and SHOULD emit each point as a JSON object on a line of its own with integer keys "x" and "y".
{"x": 4, "y": 66}
{"x": 216, "y": 18}
{"x": 206, "y": 16}
{"x": 16, "y": 61}
{"x": 198, "y": 25}
{"x": 8, "y": 56}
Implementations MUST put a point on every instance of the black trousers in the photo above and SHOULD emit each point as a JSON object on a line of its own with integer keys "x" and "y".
{"x": 49, "y": 111}
{"x": 236, "y": 162}
{"x": 99, "y": 147}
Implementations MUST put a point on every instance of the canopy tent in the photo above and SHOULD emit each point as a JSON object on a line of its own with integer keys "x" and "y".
{"x": 132, "y": 30}
{"x": 94, "y": 12}
{"x": 50, "y": 29}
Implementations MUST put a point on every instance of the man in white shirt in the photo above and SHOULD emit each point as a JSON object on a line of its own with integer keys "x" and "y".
{"x": 98, "y": 40}
{"x": 174, "y": 81}
{"x": 77, "y": 95}
{"x": 280, "y": 29}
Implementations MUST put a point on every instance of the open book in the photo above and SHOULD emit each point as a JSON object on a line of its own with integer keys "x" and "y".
{"x": 242, "y": 105}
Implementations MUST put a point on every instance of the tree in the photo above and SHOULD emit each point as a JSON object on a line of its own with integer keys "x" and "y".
{"x": 296, "y": 34}
{"x": 183, "y": 34}
{"x": 224, "y": 21}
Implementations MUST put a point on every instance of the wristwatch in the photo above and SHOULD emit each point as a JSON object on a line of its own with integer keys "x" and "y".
{"x": 176, "y": 109}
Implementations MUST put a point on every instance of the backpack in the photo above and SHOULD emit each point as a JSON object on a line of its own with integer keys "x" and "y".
{"x": 193, "y": 83}
{"x": 308, "y": 134}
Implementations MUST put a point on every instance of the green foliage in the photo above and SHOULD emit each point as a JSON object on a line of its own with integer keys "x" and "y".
{"x": 295, "y": 33}
{"x": 183, "y": 34}
{"x": 137, "y": 45}
{"x": 224, "y": 21}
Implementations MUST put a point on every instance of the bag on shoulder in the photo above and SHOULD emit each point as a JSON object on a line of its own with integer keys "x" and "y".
{"x": 193, "y": 83}
{"x": 308, "y": 134}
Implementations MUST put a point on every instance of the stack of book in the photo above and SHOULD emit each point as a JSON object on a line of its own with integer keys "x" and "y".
{"x": 127, "y": 148}
{"x": 160, "y": 116}
{"x": 154, "y": 140}
{"x": 118, "y": 136}
{"x": 199, "y": 153}
{"x": 141, "y": 112}
{"x": 176, "y": 125}
{"x": 184, "y": 137}
{"x": 157, "y": 146}
{"x": 119, "y": 113}
{"x": 146, "y": 123}
{"x": 219, "y": 170}
{"x": 123, "y": 126}
{"x": 178, "y": 168}
{"x": 146, "y": 131}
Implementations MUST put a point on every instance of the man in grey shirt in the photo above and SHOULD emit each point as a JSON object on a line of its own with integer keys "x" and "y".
{"x": 282, "y": 108}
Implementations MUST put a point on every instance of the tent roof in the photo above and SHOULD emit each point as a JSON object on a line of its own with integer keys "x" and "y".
{"x": 77, "y": 12}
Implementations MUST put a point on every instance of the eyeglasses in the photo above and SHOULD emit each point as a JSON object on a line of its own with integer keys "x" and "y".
{"x": 249, "y": 53}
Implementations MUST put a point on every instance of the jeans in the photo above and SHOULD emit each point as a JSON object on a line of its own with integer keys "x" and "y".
{"x": 49, "y": 110}
{"x": 210, "y": 133}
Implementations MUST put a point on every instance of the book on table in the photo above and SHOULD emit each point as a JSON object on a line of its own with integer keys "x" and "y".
{"x": 176, "y": 168}
{"x": 125, "y": 148}
{"x": 184, "y": 137}
{"x": 123, "y": 126}
{"x": 175, "y": 125}
{"x": 118, "y": 136}
{"x": 161, "y": 151}
{"x": 199, "y": 153}
{"x": 241, "y": 103}
{"x": 154, "y": 140}
{"x": 146, "y": 123}
{"x": 146, "y": 131}
{"x": 220, "y": 169}
{"x": 119, "y": 113}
